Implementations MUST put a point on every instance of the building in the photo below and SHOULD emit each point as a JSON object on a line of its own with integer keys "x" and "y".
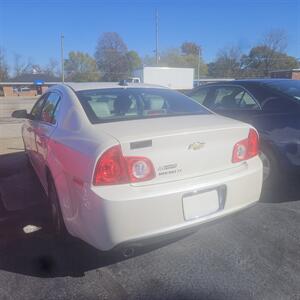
{"x": 288, "y": 74}
{"x": 27, "y": 85}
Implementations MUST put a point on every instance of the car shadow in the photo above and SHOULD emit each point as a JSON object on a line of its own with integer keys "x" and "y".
{"x": 38, "y": 253}
{"x": 288, "y": 191}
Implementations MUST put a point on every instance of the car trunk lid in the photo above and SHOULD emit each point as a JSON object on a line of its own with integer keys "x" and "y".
{"x": 180, "y": 147}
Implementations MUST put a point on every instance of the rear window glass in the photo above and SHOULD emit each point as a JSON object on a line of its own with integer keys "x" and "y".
{"x": 288, "y": 87}
{"x": 108, "y": 105}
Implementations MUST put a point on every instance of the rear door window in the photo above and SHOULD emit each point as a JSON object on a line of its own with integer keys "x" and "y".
{"x": 200, "y": 95}
{"x": 233, "y": 98}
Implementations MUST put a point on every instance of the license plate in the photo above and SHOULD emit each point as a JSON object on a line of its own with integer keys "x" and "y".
{"x": 200, "y": 205}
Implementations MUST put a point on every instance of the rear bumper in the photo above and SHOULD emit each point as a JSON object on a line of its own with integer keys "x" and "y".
{"x": 133, "y": 247}
{"x": 126, "y": 216}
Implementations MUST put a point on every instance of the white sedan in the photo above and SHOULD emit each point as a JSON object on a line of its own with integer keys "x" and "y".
{"x": 122, "y": 164}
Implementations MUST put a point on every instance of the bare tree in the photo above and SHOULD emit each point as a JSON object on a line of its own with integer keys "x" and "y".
{"x": 19, "y": 65}
{"x": 276, "y": 40}
{"x": 52, "y": 68}
{"x": 29, "y": 66}
{"x": 228, "y": 63}
{"x": 22, "y": 67}
{"x": 269, "y": 55}
{"x": 3, "y": 66}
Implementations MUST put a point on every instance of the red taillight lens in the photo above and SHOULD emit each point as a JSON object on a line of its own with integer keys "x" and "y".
{"x": 247, "y": 148}
{"x": 111, "y": 168}
{"x": 114, "y": 168}
{"x": 253, "y": 143}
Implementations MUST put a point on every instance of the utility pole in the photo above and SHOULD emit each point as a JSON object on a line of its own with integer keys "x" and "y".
{"x": 156, "y": 48}
{"x": 198, "y": 68}
{"x": 62, "y": 58}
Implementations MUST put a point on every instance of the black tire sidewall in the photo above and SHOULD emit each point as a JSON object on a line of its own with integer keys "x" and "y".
{"x": 57, "y": 222}
{"x": 274, "y": 176}
{"x": 275, "y": 188}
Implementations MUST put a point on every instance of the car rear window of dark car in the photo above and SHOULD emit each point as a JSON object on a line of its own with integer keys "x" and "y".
{"x": 288, "y": 87}
{"x": 117, "y": 104}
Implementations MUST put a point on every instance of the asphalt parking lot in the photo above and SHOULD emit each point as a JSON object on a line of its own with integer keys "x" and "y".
{"x": 251, "y": 255}
{"x": 10, "y": 129}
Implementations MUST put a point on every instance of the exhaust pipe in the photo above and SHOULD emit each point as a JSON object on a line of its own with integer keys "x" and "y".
{"x": 128, "y": 252}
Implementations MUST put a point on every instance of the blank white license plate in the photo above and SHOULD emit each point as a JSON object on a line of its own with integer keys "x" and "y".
{"x": 200, "y": 205}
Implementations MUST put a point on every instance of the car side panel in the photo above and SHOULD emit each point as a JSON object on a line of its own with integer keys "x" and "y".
{"x": 280, "y": 131}
{"x": 71, "y": 160}
{"x": 31, "y": 133}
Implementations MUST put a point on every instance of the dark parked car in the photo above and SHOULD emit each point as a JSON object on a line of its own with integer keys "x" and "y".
{"x": 270, "y": 105}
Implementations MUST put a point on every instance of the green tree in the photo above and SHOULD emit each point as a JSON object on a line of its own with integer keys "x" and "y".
{"x": 111, "y": 57}
{"x": 134, "y": 61}
{"x": 269, "y": 55}
{"x": 183, "y": 57}
{"x": 81, "y": 67}
{"x": 262, "y": 59}
{"x": 190, "y": 48}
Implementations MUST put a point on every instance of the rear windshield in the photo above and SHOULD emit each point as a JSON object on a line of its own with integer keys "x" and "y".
{"x": 117, "y": 104}
{"x": 288, "y": 87}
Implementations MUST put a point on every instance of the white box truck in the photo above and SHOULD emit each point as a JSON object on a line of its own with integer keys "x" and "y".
{"x": 173, "y": 78}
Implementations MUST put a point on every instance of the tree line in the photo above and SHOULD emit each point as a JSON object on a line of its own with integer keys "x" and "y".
{"x": 112, "y": 61}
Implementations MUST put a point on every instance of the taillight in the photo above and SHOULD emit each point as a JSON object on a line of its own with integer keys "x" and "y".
{"x": 253, "y": 143}
{"x": 114, "y": 168}
{"x": 111, "y": 168}
{"x": 139, "y": 169}
{"x": 246, "y": 148}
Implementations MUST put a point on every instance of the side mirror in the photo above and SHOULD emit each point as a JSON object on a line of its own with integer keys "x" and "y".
{"x": 20, "y": 114}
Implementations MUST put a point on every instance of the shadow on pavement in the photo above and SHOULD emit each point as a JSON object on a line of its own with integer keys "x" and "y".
{"x": 23, "y": 202}
{"x": 39, "y": 253}
{"x": 288, "y": 191}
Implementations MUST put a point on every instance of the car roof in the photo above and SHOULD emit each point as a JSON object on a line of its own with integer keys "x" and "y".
{"x": 80, "y": 86}
{"x": 249, "y": 81}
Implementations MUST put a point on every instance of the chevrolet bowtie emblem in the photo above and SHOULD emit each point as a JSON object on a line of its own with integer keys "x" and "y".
{"x": 196, "y": 146}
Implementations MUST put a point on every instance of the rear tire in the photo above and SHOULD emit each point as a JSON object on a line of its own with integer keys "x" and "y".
{"x": 273, "y": 182}
{"x": 57, "y": 221}
{"x": 271, "y": 172}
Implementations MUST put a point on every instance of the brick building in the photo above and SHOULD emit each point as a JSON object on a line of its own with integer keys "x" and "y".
{"x": 288, "y": 74}
{"x": 27, "y": 85}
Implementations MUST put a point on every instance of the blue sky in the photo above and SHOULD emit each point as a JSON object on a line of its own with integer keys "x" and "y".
{"x": 32, "y": 27}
